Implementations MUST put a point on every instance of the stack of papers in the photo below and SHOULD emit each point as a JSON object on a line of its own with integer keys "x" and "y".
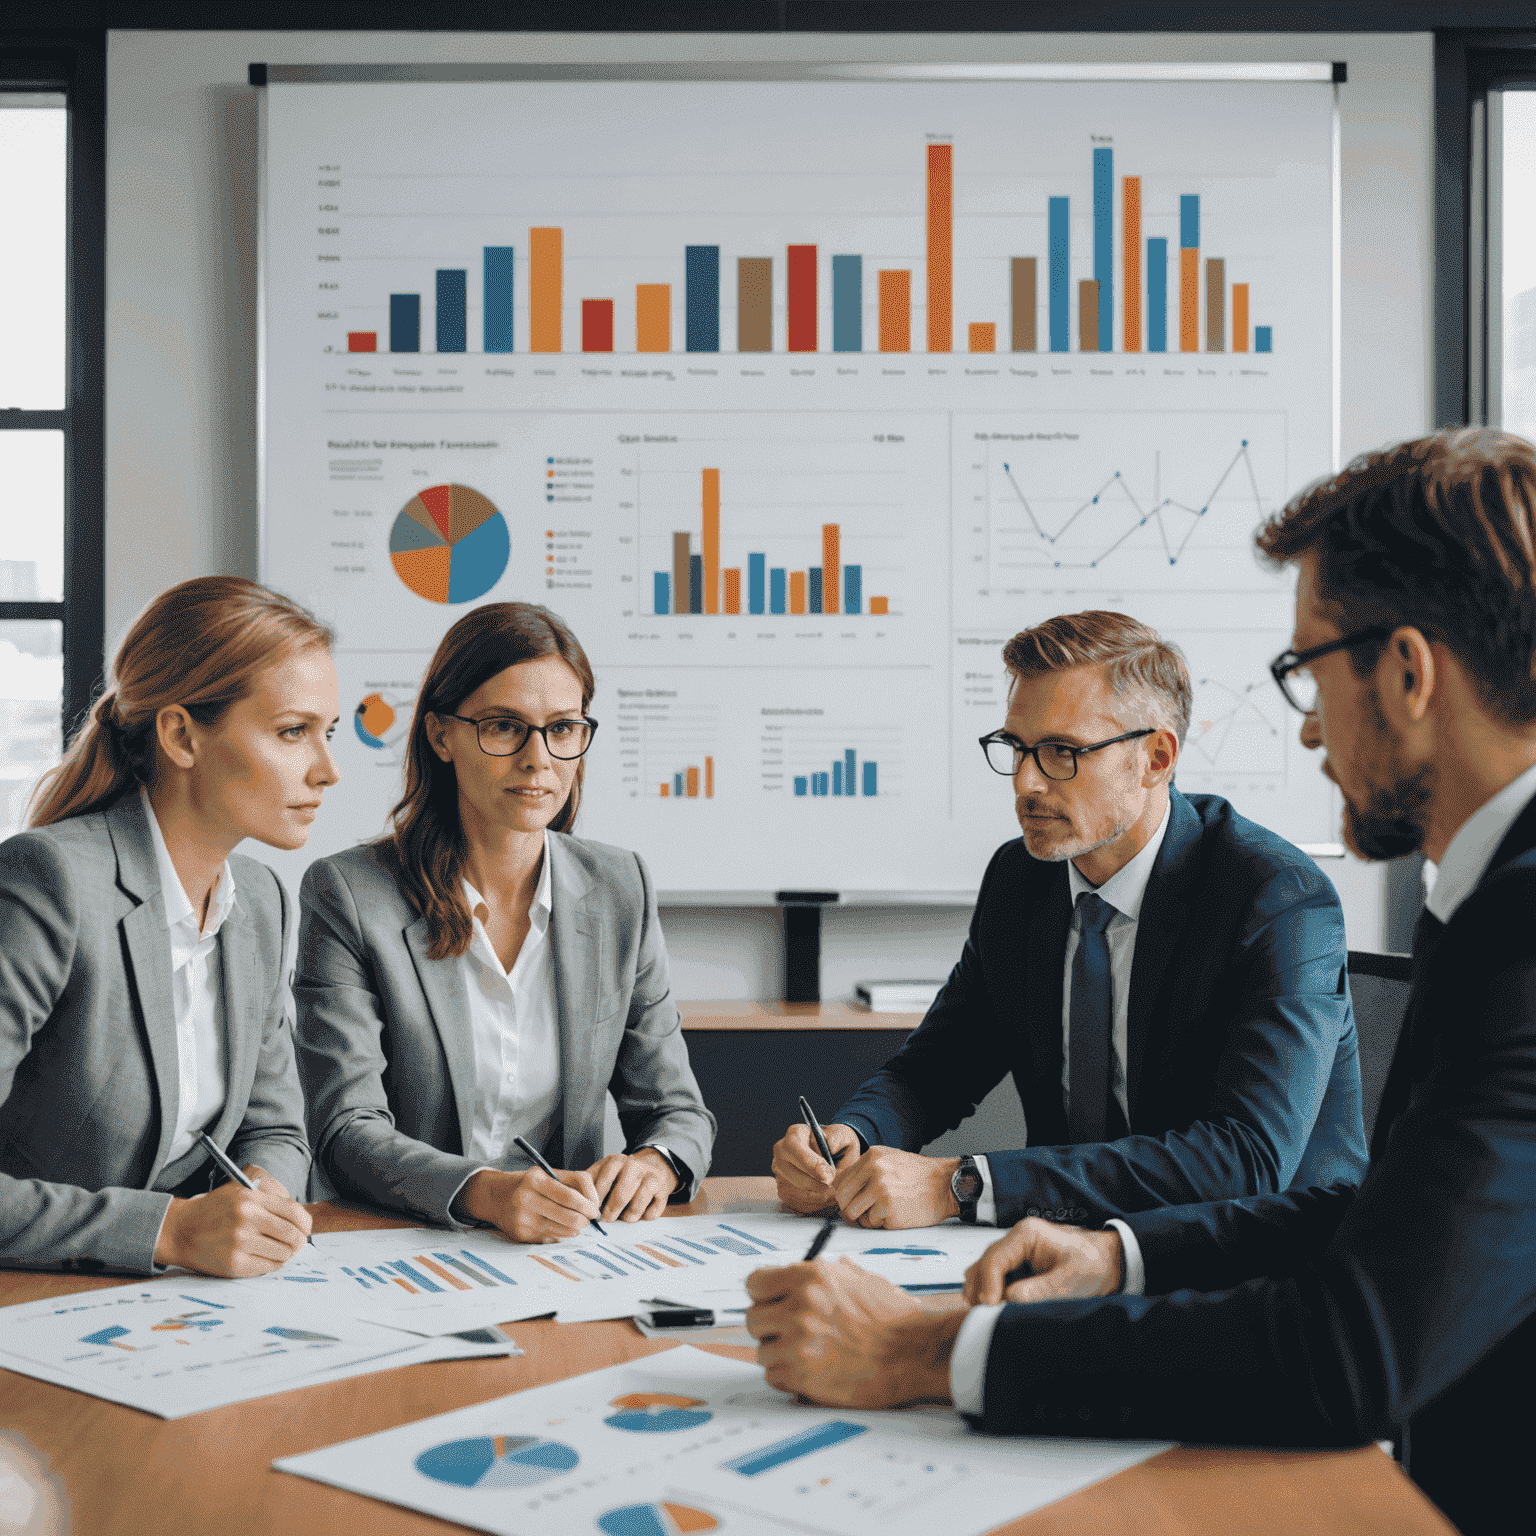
{"x": 897, "y": 996}
{"x": 686, "y": 1441}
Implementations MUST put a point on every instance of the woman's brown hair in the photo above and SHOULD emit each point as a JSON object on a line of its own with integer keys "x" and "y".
{"x": 201, "y": 645}
{"x": 425, "y": 850}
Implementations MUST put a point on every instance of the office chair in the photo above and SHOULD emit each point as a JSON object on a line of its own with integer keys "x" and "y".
{"x": 1378, "y": 984}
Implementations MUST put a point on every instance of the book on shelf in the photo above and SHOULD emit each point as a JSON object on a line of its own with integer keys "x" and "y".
{"x": 897, "y": 996}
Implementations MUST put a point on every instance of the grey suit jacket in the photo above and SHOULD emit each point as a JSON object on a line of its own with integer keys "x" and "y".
{"x": 88, "y": 1066}
{"x": 384, "y": 1042}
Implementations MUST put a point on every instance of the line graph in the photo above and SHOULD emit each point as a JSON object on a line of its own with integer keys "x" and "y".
{"x": 1231, "y": 722}
{"x": 1159, "y": 513}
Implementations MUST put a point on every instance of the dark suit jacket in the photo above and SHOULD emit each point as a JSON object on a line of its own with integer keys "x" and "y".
{"x": 1244, "y": 1070}
{"x": 1406, "y": 1308}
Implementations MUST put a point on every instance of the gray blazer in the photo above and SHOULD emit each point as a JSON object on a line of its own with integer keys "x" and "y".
{"x": 88, "y": 1068}
{"x": 384, "y": 1041}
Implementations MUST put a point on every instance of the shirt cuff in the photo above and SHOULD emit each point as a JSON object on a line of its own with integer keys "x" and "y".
{"x": 968, "y": 1362}
{"x": 1135, "y": 1271}
{"x": 459, "y": 1216}
{"x": 986, "y": 1204}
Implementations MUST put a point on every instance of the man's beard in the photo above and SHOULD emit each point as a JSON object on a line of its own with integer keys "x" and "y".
{"x": 1070, "y": 847}
{"x": 1391, "y": 823}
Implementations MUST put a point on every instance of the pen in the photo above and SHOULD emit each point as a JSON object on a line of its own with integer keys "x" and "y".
{"x": 821, "y": 1239}
{"x": 212, "y": 1148}
{"x": 809, "y": 1116}
{"x": 531, "y": 1152}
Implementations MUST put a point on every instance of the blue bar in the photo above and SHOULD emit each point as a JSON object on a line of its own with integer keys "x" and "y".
{"x": 850, "y": 777}
{"x": 776, "y": 589}
{"x": 663, "y": 603}
{"x": 869, "y": 778}
{"x": 629, "y": 1258}
{"x": 837, "y": 778}
{"x": 853, "y": 589}
{"x": 813, "y": 590}
{"x": 639, "y": 1258}
{"x": 847, "y": 303}
{"x": 695, "y": 583}
{"x": 1104, "y": 243}
{"x": 1263, "y": 338}
{"x": 708, "y": 1253}
{"x": 800, "y": 785}
{"x": 405, "y": 322}
{"x": 757, "y": 581}
{"x": 597, "y": 1258}
{"x": 1157, "y": 295}
{"x": 677, "y": 1253}
{"x": 1059, "y": 244}
{"x": 816, "y": 788}
{"x": 377, "y": 1279}
{"x": 487, "y": 1266}
{"x": 451, "y": 309}
{"x": 1189, "y": 222}
{"x": 498, "y": 298}
{"x": 823, "y": 784}
{"x": 793, "y": 1448}
{"x": 412, "y": 1273}
{"x": 355, "y": 1276}
{"x": 677, "y": 786}
{"x": 468, "y": 1271}
{"x": 702, "y": 326}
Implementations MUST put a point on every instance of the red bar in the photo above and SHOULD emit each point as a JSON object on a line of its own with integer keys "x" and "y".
{"x": 362, "y": 341}
{"x": 597, "y": 325}
{"x": 802, "y": 298}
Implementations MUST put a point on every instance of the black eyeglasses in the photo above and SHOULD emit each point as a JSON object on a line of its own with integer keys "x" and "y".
{"x": 1291, "y": 670}
{"x": 1005, "y": 754}
{"x": 504, "y": 735}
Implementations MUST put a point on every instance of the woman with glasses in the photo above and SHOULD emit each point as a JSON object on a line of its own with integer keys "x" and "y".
{"x": 480, "y": 976}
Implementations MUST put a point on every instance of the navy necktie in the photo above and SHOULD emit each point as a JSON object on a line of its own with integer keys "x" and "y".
{"x": 1091, "y": 1022}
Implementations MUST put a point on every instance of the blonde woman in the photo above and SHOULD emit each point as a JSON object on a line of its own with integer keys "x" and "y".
{"x": 143, "y": 996}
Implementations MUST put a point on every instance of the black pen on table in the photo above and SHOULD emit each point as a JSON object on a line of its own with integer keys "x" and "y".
{"x": 227, "y": 1163}
{"x": 823, "y": 1237}
{"x": 531, "y": 1152}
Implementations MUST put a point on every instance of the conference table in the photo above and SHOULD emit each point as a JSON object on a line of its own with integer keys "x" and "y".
{"x": 120, "y": 1472}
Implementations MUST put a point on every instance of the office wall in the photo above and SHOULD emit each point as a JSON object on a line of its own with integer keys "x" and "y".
{"x": 181, "y": 329}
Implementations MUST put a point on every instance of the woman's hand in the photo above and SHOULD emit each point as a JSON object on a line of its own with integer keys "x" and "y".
{"x": 530, "y": 1207}
{"x": 234, "y": 1231}
{"x": 633, "y": 1186}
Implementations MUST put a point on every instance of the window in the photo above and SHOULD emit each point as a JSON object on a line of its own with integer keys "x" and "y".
{"x": 1512, "y": 266}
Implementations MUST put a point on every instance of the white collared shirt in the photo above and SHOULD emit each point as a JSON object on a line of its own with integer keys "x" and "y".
{"x": 1476, "y": 841}
{"x": 514, "y": 1027}
{"x": 197, "y": 995}
{"x": 1124, "y": 891}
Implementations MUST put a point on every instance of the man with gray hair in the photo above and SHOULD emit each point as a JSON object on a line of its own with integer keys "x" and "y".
{"x": 1164, "y": 979}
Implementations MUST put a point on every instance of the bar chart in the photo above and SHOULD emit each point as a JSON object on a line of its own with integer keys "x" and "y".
{"x": 667, "y": 735}
{"x": 807, "y": 754}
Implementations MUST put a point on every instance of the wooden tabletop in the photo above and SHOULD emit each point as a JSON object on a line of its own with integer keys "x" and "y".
{"x": 119, "y": 1472}
{"x": 776, "y": 1014}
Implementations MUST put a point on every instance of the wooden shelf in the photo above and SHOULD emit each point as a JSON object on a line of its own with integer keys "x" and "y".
{"x": 778, "y": 1015}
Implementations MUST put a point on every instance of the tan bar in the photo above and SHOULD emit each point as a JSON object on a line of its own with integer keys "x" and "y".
{"x": 680, "y": 575}
{"x": 1215, "y": 305}
{"x": 1088, "y": 315}
{"x": 754, "y": 304}
{"x": 1023, "y": 307}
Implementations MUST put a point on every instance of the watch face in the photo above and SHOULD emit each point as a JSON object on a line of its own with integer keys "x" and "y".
{"x": 968, "y": 1185}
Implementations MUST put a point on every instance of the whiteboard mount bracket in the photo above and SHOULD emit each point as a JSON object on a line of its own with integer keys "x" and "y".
{"x": 802, "y": 942}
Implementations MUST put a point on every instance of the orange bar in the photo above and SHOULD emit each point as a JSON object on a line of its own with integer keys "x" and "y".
{"x": 732, "y": 574}
{"x": 941, "y": 246}
{"x": 879, "y": 605}
{"x": 983, "y": 338}
{"x": 1239, "y": 317}
{"x": 797, "y": 591}
{"x": 653, "y": 317}
{"x": 545, "y": 288}
{"x": 404, "y": 1285}
{"x": 709, "y": 778}
{"x": 1130, "y": 223}
{"x": 666, "y": 790}
{"x": 895, "y": 311}
{"x": 442, "y": 1274}
{"x": 831, "y": 566}
{"x": 564, "y": 1274}
{"x": 711, "y": 541}
{"x": 1189, "y": 301}
{"x": 693, "y": 783}
{"x": 654, "y": 1253}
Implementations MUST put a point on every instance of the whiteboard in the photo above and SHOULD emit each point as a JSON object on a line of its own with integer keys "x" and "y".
{"x": 796, "y": 398}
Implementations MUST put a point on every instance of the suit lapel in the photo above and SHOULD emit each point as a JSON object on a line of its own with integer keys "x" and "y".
{"x": 244, "y": 984}
{"x": 149, "y": 958}
{"x": 576, "y": 946}
{"x": 447, "y": 995}
{"x": 1044, "y": 947}
{"x": 1165, "y": 911}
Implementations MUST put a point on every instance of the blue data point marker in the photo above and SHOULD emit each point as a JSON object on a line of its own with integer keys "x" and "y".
{"x": 1005, "y": 469}
{"x": 1094, "y": 502}
{"x": 1245, "y": 442}
{"x": 1172, "y": 560}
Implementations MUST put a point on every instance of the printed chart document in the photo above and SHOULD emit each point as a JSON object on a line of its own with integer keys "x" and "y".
{"x": 687, "y": 1441}
{"x": 179, "y": 1345}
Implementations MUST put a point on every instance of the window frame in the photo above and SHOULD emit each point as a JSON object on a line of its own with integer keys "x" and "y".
{"x": 76, "y": 67}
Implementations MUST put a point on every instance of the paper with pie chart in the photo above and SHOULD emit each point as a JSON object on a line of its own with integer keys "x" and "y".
{"x": 449, "y": 544}
{"x": 687, "y": 1442}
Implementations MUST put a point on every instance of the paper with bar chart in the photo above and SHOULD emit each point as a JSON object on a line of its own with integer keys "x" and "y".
{"x": 689, "y": 1442}
{"x": 782, "y": 392}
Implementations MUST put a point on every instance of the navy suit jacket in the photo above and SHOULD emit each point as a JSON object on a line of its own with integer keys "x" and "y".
{"x": 1406, "y": 1308}
{"x": 1244, "y": 1073}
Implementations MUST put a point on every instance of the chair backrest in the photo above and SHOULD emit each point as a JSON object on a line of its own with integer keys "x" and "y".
{"x": 1378, "y": 985}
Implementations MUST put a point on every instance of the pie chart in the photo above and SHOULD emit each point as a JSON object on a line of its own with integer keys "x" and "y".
{"x": 381, "y": 719}
{"x": 657, "y": 1413}
{"x": 496, "y": 1461}
{"x": 449, "y": 544}
{"x": 655, "y": 1520}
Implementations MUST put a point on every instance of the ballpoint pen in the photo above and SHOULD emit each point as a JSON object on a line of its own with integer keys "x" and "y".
{"x": 227, "y": 1163}
{"x": 531, "y": 1152}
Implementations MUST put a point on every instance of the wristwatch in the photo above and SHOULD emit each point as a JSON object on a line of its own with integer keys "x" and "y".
{"x": 966, "y": 1186}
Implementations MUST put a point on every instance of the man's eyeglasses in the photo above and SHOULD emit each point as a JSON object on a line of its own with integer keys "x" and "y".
{"x": 1292, "y": 670}
{"x": 1055, "y": 759}
{"x": 504, "y": 735}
